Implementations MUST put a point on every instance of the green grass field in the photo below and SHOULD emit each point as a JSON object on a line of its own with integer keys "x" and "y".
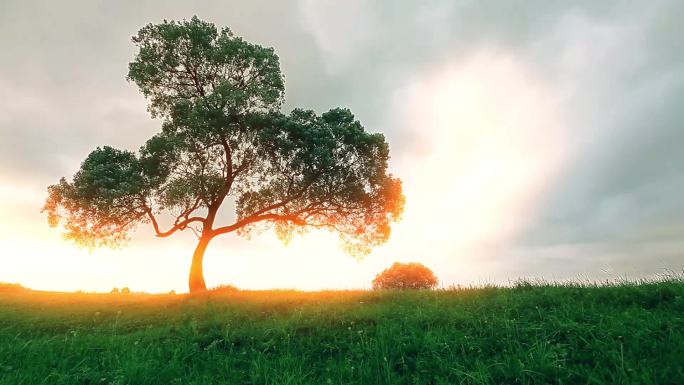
{"x": 530, "y": 334}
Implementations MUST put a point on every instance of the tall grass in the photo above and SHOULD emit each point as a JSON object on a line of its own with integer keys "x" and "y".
{"x": 529, "y": 333}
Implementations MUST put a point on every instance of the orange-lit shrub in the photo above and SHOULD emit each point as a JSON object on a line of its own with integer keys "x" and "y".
{"x": 225, "y": 289}
{"x": 405, "y": 276}
{"x": 10, "y": 287}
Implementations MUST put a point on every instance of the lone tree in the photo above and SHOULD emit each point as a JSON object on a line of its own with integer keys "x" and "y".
{"x": 224, "y": 139}
{"x": 405, "y": 276}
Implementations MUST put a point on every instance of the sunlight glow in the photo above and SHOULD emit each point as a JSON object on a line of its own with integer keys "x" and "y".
{"x": 490, "y": 140}
{"x": 487, "y": 139}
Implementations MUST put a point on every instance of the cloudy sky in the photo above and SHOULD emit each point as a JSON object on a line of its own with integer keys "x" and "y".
{"x": 534, "y": 139}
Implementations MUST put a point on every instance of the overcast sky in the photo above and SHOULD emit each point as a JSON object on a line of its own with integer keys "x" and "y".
{"x": 534, "y": 139}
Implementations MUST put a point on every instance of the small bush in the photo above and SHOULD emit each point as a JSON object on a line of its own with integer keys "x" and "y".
{"x": 125, "y": 290}
{"x": 225, "y": 289}
{"x": 114, "y": 291}
{"x": 11, "y": 286}
{"x": 405, "y": 276}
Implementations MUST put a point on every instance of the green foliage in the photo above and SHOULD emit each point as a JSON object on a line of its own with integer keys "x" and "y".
{"x": 223, "y": 136}
{"x": 548, "y": 334}
{"x": 104, "y": 201}
{"x": 206, "y": 69}
{"x": 405, "y": 276}
{"x": 329, "y": 173}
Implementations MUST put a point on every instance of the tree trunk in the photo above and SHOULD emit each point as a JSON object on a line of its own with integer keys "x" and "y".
{"x": 196, "y": 280}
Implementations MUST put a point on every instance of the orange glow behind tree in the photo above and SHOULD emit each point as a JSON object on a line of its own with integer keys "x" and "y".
{"x": 223, "y": 137}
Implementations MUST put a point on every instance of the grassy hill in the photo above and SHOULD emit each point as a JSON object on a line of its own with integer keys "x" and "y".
{"x": 530, "y": 334}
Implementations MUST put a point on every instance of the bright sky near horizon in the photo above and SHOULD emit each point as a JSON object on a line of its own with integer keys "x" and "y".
{"x": 533, "y": 139}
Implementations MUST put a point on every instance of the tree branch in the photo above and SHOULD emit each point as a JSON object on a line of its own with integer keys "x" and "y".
{"x": 178, "y": 226}
{"x": 254, "y": 219}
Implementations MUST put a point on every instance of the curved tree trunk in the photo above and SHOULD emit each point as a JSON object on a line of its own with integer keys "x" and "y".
{"x": 196, "y": 279}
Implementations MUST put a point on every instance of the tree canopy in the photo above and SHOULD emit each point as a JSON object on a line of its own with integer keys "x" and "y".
{"x": 223, "y": 136}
